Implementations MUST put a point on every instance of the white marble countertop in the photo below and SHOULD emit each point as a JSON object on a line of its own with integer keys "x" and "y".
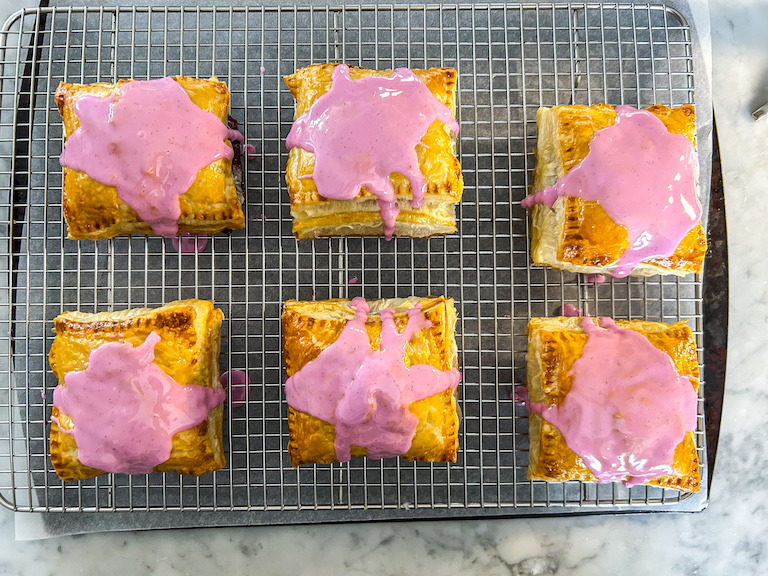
{"x": 731, "y": 537}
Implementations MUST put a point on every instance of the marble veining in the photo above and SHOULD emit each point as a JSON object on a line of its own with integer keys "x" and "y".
{"x": 730, "y": 538}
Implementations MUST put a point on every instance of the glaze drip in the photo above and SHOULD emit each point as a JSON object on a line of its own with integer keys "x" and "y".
{"x": 238, "y": 384}
{"x": 571, "y": 310}
{"x": 189, "y": 243}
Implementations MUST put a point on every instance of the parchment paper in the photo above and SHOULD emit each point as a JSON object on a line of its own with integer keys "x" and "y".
{"x": 31, "y": 526}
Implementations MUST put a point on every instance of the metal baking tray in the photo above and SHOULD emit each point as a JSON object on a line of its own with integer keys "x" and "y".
{"x": 511, "y": 59}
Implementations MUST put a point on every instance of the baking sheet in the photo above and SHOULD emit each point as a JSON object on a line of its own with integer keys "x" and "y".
{"x": 92, "y": 522}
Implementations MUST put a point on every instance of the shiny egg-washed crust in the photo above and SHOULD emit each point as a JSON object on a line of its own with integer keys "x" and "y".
{"x": 190, "y": 332}
{"x": 93, "y": 210}
{"x": 577, "y": 235}
{"x": 311, "y": 327}
{"x": 554, "y": 344}
{"x": 315, "y": 216}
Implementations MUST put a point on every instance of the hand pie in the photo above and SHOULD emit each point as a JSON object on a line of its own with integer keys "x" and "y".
{"x": 379, "y": 378}
{"x": 99, "y": 416}
{"x": 576, "y": 232}
{"x": 94, "y": 209}
{"x": 611, "y": 415}
{"x": 325, "y": 188}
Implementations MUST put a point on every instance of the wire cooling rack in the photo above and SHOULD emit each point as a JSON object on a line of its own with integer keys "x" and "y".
{"x": 511, "y": 59}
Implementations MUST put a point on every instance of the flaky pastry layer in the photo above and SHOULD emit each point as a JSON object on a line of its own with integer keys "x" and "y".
{"x": 190, "y": 332}
{"x": 93, "y": 210}
{"x": 315, "y": 216}
{"x": 554, "y": 344}
{"x": 578, "y": 235}
{"x": 311, "y": 327}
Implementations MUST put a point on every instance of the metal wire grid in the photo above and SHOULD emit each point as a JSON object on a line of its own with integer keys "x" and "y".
{"x": 510, "y": 58}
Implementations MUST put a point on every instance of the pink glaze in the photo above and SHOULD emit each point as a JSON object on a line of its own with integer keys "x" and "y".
{"x": 353, "y": 280}
{"x": 235, "y": 136}
{"x": 366, "y": 394}
{"x": 149, "y": 141}
{"x": 519, "y": 395}
{"x": 189, "y": 243}
{"x": 238, "y": 383}
{"x": 595, "y": 279}
{"x": 361, "y": 131}
{"x": 628, "y": 408}
{"x": 644, "y": 177}
{"x": 571, "y": 310}
{"x": 125, "y": 409}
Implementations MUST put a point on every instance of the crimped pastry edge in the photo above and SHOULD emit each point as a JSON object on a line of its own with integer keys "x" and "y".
{"x": 436, "y": 216}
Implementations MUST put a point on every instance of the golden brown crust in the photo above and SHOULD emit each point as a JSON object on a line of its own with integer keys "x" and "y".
{"x": 190, "y": 332}
{"x": 554, "y": 344}
{"x": 93, "y": 210}
{"x": 310, "y": 327}
{"x": 316, "y": 216}
{"x": 578, "y": 235}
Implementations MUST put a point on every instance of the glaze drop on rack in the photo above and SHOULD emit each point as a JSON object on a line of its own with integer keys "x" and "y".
{"x": 628, "y": 408}
{"x": 364, "y": 393}
{"x": 361, "y": 131}
{"x": 189, "y": 243}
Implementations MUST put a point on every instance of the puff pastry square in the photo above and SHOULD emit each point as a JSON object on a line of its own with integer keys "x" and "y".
{"x": 315, "y": 216}
{"x": 554, "y": 344}
{"x": 190, "y": 332}
{"x": 578, "y": 235}
{"x": 211, "y": 205}
{"x": 311, "y": 327}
